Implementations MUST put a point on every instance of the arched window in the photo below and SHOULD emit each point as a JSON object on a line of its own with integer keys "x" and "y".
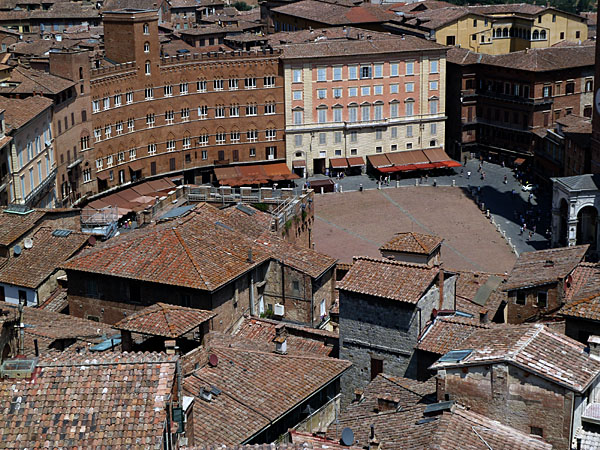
{"x": 588, "y": 86}
{"x": 505, "y": 32}
{"x": 536, "y": 35}
{"x": 543, "y": 34}
{"x": 146, "y": 29}
{"x": 146, "y": 47}
{"x": 81, "y": 73}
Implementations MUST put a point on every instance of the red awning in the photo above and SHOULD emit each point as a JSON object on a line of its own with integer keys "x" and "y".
{"x": 388, "y": 169}
{"x": 356, "y": 161}
{"x": 136, "y": 165}
{"x": 439, "y": 165}
{"x": 338, "y": 163}
{"x": 406, "y": 167}
{"x": 102, "y": 175}
{"x": 425, "y": 166}
{"x": 379, "y": 161}
{"x": 452, "y": 163}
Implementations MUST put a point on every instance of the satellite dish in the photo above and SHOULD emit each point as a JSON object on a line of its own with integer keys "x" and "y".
{"x": 213, "y": 360}
{"x": 28, "y": 243}
{"x": 92, "y": 240}
{"x": 17, "y": 250}
{"x": 347, "y": 437}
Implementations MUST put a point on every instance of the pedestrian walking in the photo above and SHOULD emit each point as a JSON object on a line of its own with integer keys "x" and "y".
{"x": 530, "y": 236}
{"x": 468, "y": 174}
{"x": 505, "y": 179}
{"x": 524, "y": 226}
{"x": 461, "y": 172}
{"x": 521, "y": 231}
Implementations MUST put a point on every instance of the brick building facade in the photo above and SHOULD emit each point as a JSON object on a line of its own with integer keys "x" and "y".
{"x": 189, "y": 114}
{"x": 499, "y": 111}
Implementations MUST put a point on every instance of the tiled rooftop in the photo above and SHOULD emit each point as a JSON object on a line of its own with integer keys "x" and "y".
{"x": 164, "y": 320}
{"x": 423, "y": 244}
{"x": 584, "y": 282}
{"x": 246, "y": 405}
{"x": 37, "y": 263}
{"x": 202, "y": 250}
{"x": 20, "y": 111}
{"x": 13, "y": 226}
{"x": 109, "y": 401}
{"x": 586, "y": 308}
{"x": 469, "y": 284}
{"x": 447, "y": 333}
{"x": 534, "y": 348}
{"x": 392, "y": 280}
{"x": 544, "y": 266}
{"x": 35, "y": 81}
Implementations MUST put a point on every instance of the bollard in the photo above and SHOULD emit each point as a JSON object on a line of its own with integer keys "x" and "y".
{"x": 482, "y": 206}
{"x": 397, "y": 183}
{"x": 322, "y": 190}
{"x": 453, "y": 183}
{"x": 510, "y": 242}
{"x": 379, "y": 185}
{"x": 487, "y": 212}
{"x": 341, "y": 189}
{"x": 360, "y": 187}
{"x": 416, "y": 181}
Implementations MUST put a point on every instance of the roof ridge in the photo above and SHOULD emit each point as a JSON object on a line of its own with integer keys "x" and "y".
{"x": 262, "y": 352}
{"x": 414, "y": 236}
{"x": 189, "y": 255}
{"x": 538, "y": 330}
{"x": 394, "y": 262}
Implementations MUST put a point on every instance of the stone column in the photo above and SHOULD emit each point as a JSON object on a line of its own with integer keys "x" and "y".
{"x": 572, "y": 231}
{"x": 555, "y": 227}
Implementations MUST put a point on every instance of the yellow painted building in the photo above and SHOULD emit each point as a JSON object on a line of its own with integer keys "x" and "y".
{"x": 502, "y": 31}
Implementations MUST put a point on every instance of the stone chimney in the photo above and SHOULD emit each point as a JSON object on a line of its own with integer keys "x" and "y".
{"x": 441, "y": 288}
{"x": 171, "y": 347}
{"x": 374, "y": 443}
{"x": 280, "y": 339}
{"x": 594, "y": 344}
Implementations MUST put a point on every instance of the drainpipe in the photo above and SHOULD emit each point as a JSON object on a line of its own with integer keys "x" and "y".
{"x": 252, "y": 313}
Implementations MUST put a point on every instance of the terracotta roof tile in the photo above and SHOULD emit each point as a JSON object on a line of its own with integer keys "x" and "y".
{"x": 468, "y": 283}
{"x": 544, "y": 266}
{"x": 36, "y": 264}
{"x": 109, "y": 401}
{"x": 35, "y": 81}
{"x": 584, "y": 282}
{"x": 586, "y": 308}
{"x": 13, "y": 226}
{"x": 245, "y": 407}
{"x": 164, "y": 320}
{"x": 393, "y": 280}
{"x": 20, "y": 111}
{"x": 534, "y": 348}
{"x": 410, "y": 242}
{"x": 447, "y": 333}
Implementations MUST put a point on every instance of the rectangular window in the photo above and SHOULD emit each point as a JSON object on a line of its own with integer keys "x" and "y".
{"x": 130, "y": 124}
{"x": 107, "y": 131}
{"x": 150, "y": 120}
{"x": 434, "y": 66}
{"x": 353, "y": 72}
{"x": 353, "y": 136}
{"x": 252, "y": 152}
{"x": 365, "y": 113}
{"x": 109, "y": 161}
{"x": 352, "y": 92}
{"x": 521, "y": 298}
{"x": 409, "y": 87}
{"x": 409, "y": 109}
{"x": 119, "y": 128}
{"x": 251, "y": 110}
{"x": 202, "y": 112}
{"x": 201, "y": 86}
{"x": 322, "y": 138}
{"x": 269, "y": 81}
{"x": 393, "y": 110}
{"x": 378, "y": 90}
{"x": 322, "y": 115}
{"x": 376, "y": 367}
{"x": 185, "y": 114}
{"x": 365, "y": 90}
{"x": 183, "y": 89}
{"x": 337, "y": 73}
{"x": 297, "y": 95}
{"x": 117, "y": 100}
{"x": 321, "y": 74}
{"x": 433, "y": 106}
{"x": 235, "y": 136}
{"x": 547, "y": 91}
{"x": 219, "y": 112}
{"x": 96, "y": 106}
{"x": 352, "y": 113}
{"x": 378, "y": 112}
{"x": 203, "y": 141}
{"x": 298, "y": 117}
{"x": 252, "y": 135}
{"x": 378, "y": 70}
{"x": 168, "y": 90}
{"x": 410, "y": 68}
{"x": 433, "y": 85}
{"x": 186, "y": 142}
{"x": 433, "y": 129}
{"x": 394, "y": 132}
{"x": 149, "y": 93}
{"x": 106, "y": 103}
{"x": 220, "y": 137}
{"x": 394, "y": 71}
{"x": 394, "y": 89}
{"x": 169, "y": 117}
{"x": 378, "y": 134}
{"x": 337, "y": 137}
{"x": 250, "y": 83}
{"x": 132, "y": 153}
{"x": 129, "y": 97}
{"x": 542, "y": 299}
{"x": 337, "y": 92}
{"x": 409, "y": 131}
{"x": 233, "y": 84}
{"x": 171, "y": 145}
{"x": 97, "y": 135}
{"x": 297, "y": 73}
{"x": 218, "y": 85}
{"x": 365, "y": 72}
{"x": 337, "y": 114}
{"x": 298, "y": 140}
{"x": 321, "y": 93}
{"x": 204, "y": 154}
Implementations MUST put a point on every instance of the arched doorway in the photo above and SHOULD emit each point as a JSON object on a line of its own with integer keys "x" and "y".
{"x": 587, "y": 226}
{"x": 562, "y": 236}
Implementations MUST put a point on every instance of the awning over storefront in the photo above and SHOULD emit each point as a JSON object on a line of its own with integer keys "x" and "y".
{"x": 379, "y": 161}
{"x": 356, "y": 161}
{"x": 519, "y": 161}
{"x": 299, "y": 163}
{"x": 338, "y": 163}
{"x": 253, "y": 174}
{"x": 102, "y": 175}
